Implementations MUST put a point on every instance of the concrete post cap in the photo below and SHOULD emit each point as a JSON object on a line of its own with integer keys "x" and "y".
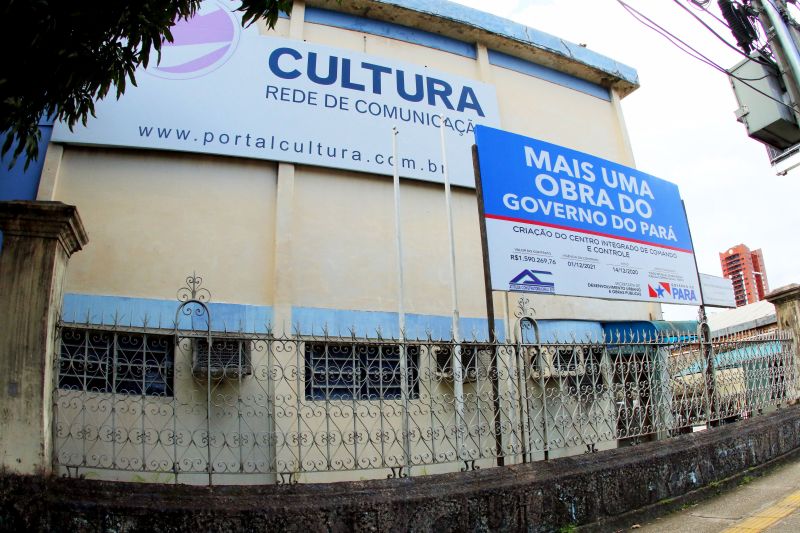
{"x": 784, "y": 294}
{"x": 44, "y": 220}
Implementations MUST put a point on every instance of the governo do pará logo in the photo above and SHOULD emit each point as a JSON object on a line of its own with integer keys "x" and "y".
{"x": 200, "y": 44}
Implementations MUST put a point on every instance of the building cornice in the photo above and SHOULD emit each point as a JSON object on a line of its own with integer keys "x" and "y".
{"x": 471, "y": 25}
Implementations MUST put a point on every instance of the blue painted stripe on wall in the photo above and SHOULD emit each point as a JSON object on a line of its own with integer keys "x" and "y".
{"x": 391, "y": 30}
{"x": 518, "y": 32}
{"x": 146, "y": 312}
{"x": 538, "y": 71}
{"x": 312, "y": 321}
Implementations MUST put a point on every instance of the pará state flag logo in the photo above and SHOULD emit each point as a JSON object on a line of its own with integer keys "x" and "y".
{"x": 660, "y": 290}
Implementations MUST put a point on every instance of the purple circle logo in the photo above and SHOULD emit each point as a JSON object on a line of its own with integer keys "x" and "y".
{"x": 201, "y": 44}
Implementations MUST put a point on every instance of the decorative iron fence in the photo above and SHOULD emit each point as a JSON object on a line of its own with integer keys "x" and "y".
{"x": 193, "y": 405}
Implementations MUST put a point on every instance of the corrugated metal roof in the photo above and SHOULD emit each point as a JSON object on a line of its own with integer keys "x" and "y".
{"x": 742, "y": 318}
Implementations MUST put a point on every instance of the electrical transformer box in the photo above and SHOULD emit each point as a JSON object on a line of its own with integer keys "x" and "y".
{"x": 763, "y": 105}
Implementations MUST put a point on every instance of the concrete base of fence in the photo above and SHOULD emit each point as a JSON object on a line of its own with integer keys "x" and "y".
{"x": 600, "y": 490}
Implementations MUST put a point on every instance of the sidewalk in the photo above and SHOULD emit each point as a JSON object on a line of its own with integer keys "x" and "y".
{"x": 757, "y": 504}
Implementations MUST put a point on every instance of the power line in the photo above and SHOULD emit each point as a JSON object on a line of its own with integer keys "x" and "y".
{"x": 765, "y": 60}
{"x": 693, "y": 52}
{"x": 676, "y": 41}
{"x": 703, "y": 6}
{"x": 672, "y": 38}
{"x": 709, "y": 28}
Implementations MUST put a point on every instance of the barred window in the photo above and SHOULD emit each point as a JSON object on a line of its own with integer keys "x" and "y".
{"x": 592, "y": 379}
{"x": 469, "y": 360}
{"x": 118, "y": 362}
{"x": 358, "y": 371}
{"x": 567, "y": 359}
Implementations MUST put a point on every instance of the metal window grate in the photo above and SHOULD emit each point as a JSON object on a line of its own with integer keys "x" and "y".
{"x": 116, "y": 362}
{"x": 469, "y": 360}
{"x": 339, "y": 371}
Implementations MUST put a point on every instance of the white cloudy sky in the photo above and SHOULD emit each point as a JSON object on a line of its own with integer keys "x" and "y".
{"x": 682, "y": 127}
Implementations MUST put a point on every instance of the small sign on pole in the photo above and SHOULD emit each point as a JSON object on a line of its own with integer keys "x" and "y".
{"x": 717, "y": 291}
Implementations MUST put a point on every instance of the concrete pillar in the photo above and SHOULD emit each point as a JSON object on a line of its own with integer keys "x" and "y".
{"x": 38, "y": 240}
{"x": 297, "y": 20}
{"x": 283, "y": 288}
{"x": 787, "y": 308}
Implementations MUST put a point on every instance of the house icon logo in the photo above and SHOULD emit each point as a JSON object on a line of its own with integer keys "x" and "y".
{"x": 532, "y": 281}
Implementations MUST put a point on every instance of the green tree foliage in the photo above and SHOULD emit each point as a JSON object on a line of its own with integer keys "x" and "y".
{"x": 60, "y": 56}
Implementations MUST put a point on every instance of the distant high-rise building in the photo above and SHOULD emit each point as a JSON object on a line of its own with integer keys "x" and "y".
{"x": 747, "y": 272}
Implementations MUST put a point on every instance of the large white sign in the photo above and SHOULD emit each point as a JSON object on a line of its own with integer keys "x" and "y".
{"x": 717, "y": 291}
{"x": 559, "y": 221}
{"x": 220, "y": 89}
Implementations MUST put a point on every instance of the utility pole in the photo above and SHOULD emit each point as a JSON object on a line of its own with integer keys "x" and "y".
{"x": 784, "y": 43}
{"x": 784, "y": 47}
{"x": 769, "y": 101}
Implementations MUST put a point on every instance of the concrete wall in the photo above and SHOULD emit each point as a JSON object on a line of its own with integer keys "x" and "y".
{"x": 607, "y": 489}
{"x": 157, "y": 216}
